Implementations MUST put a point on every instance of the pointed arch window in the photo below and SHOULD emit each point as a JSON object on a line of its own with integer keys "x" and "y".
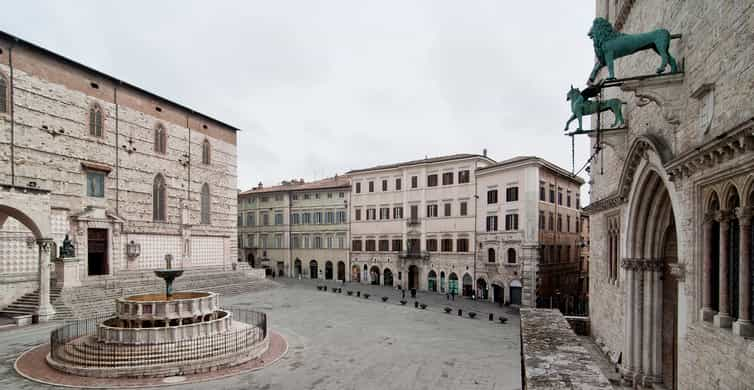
{"x": 205, "y": 203}
{"x": 159, "y": 198}
{"x": 95, "y": 121}
{"x": 3, "y": 94}
{"x": 206, "y": 152}
{"x": 160, "y": 139}
{"x": 511, "y": 256}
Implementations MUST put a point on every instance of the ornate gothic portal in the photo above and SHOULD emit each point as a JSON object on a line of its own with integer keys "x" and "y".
{"x": 651, "y": 317}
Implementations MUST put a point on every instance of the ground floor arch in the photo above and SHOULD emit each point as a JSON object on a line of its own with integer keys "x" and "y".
{"x": 468, "y": 285}
{"x": 481, "y": 289}
{"x": 387, "y": 277}
{"x": 498, "y": 292}
{"x": 374, "y": 275}
{"x": 328, "y": 270}
{"x": 313, "y": 270}
{"x": 432, "y": 281}
{"x": 297, "y": 268}
{"x": 341, "y": 271}
{"x": 413, "y": 277}
{"x": 442, "y": 281}
{"x": 515, "y": 292}
{"x": 453, "y": 283}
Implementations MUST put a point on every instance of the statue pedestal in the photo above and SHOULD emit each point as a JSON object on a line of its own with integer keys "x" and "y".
{"x": 67, "y": 272}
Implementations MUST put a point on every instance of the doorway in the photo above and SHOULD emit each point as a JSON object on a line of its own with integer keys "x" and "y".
{"x": 328, "y": 270}
{"x": 413, "y": 277}
{"x": 97, "y": 252}
{"x": 313, "y": 269}
{"x": 341, "y": 271}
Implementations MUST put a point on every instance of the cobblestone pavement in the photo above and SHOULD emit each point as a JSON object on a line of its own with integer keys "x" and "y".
{"x": 338, "y": 341}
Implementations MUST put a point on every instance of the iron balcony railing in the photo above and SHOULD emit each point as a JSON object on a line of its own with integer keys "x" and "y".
{"x": 413, "y": 222}
{"x": 411, "y": 254}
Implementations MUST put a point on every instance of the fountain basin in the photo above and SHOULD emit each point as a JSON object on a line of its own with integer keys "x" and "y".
{"x": 111, "y": 331}
{"x": 190, "y": 305}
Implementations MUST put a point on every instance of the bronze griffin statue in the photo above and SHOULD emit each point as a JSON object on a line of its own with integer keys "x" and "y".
{"x": 581, "y": 105}
{"x": 609, "y": 45}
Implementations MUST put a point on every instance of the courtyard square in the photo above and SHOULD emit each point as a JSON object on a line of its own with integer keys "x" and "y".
{"x": 336, "y": 341}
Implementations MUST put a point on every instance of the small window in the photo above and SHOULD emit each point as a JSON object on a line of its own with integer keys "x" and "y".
{"x": 447, "y": 208}
{"x": 205, "y": 152}
{"x": 358, "y": 188}
{"x": 491, "y": 255}
{"x": 384, "y": 185}
{"x": 3, "y": 94}
{"x": 95, "y": 121}
{"x": 159, "y": 198}
{"x": 95, "y": 184}
{"x": 491, "y": 196}
{"x": 397, "y": 245}
{"x": 414, "y": 181}
{"x": 398, "y": 184}
{"x": 431, "y": 180}
{"x": 370, "y": 246}
{"x": 384, "y": 245}
{"x": 511, "y": 194}
{"x": 552, "y": 193}
{"x": 431, "y": 245}
{"x": 356, "y": 245}
{"x": 160, "y": 140}
{"x": 464, "y": 209}
{"x": 511, "y": 256}
{"x": 371, "y": 186}
{"x": 462, "y": 245}
{"x": 560, "y": 196}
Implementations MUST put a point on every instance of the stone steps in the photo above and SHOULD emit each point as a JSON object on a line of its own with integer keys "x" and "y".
{"x": 29, "y": 303}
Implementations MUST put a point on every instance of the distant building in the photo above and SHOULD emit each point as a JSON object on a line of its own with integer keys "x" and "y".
{"x": 296, "y": 228}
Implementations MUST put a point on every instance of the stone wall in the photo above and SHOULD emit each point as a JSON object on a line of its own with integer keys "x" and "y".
{"x": 552, "y": 354}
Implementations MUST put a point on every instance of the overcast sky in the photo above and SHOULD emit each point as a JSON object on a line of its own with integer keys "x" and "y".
{"x": 321, "y": 87}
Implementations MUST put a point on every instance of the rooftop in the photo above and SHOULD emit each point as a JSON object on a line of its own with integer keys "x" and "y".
{"x": 533, "y": 159}
{"x": 115, "y": 80}
{"x": 293, "y": 185}
{"x": 426, "y": 160}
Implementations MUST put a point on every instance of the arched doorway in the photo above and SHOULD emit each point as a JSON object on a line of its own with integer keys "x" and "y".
{"x": 313, "y": 271}
{"x": 453, "y": 283}
{"x": 481, "y": 289}
{"x": 297, "y": 268}
{"x": 468, "y": 285}
{"x": 341, "y": 271}
{"x": 442, "y": 281}
{"x": 515, "y": 292}
{"x": 413, "y": 277}
{"x": 355, "y": 274}
{"x": 432, "y": 281}
{"x": 498, "y": 293}
{"x": 250, "y": 259}
{"x": 387, "y": 277}
{"x": 374, "y": 275}
{"x": 328, "y": 270}
{"x": 651, "y": 249}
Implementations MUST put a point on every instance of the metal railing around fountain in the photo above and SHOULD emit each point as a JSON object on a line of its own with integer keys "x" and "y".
{"x": 67, "y": 343}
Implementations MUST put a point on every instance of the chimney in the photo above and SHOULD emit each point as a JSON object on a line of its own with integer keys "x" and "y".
{"x": 484, "y": 152}
{"x": 260, "y": 185}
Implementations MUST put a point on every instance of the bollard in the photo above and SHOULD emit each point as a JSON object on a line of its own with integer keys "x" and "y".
{"x": 460, "y": 312}
{"x": 358, "y": 293}
{"x": 492, "y": 317}
{"x": 416, "y": 304}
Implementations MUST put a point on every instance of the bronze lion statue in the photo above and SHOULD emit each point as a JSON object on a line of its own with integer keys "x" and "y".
{"x": 609, "y": 45}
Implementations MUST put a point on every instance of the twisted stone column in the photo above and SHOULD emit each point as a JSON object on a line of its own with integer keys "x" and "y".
{"x": 743, "y": 325}
{"x": 707, "y": 313}
{"x": 723, "y": 319}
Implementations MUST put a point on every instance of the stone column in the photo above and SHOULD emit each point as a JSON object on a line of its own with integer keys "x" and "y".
{"x": 647, "y": 324}
{"x": 657, "y": 321}
{"x": 723, "y": 318}
{"x": 628, "y": 353}
{"x": 45, "y": 311}
{"x": 638, "y": 314}
{"x": 743, "y": 326}
{"x": 707, "y": 313}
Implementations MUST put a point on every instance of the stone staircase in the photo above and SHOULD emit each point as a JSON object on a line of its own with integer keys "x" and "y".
{"x": 98, "y": 297}
{"x": 29, "y": 303}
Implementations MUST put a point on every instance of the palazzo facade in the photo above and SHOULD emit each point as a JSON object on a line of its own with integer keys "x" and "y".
{"x": 670, "y": 277}
{"x": 129, "y": 176}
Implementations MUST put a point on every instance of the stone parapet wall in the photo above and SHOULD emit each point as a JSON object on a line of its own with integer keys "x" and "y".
{"x": 552, "y": 356}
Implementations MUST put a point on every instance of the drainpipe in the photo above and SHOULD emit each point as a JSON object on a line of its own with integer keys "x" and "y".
{"x": 117, "y": 147}
{"x": 476, "y": 197}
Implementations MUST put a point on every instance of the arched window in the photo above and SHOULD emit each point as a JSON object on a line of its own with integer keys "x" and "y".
{"x": 159, "y": 198}
{"x": 160, "y": 139}
{"x": 491, "y": 255}
{"x": 511, "y": 255}
{"x": 205, "y": 204}
{"x": 95, "y": 121}
{"x": 205, "y": 152}
{"x": 3, "y": 94}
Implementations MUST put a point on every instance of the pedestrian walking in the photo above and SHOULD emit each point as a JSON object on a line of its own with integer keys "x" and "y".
{"x": 403, "y": 294}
